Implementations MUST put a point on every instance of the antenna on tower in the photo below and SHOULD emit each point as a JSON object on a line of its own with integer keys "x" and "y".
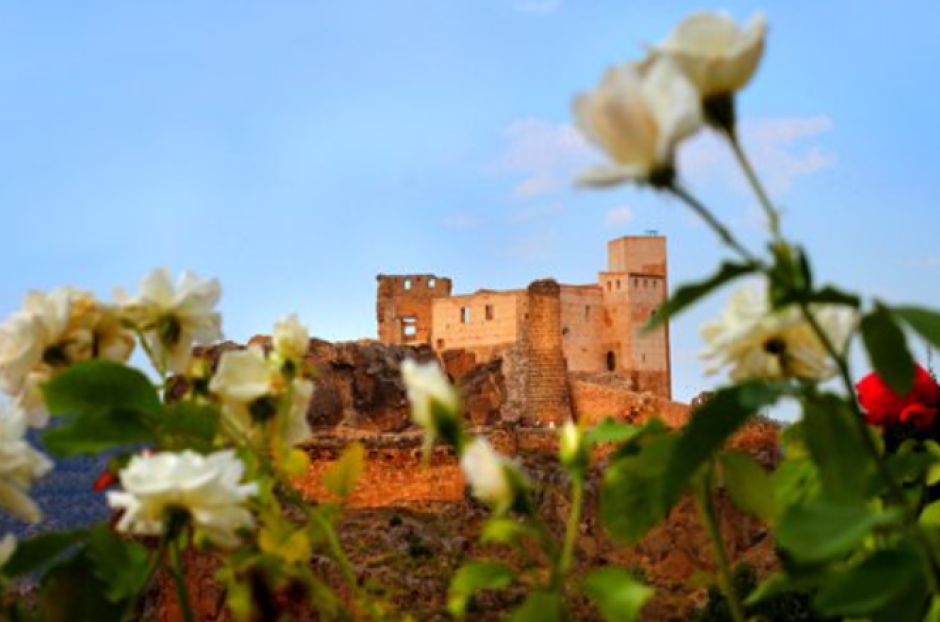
{"x": 651, "y": 232}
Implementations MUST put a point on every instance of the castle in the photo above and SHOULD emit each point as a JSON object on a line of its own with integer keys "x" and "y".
{"x": 546, "y": 331}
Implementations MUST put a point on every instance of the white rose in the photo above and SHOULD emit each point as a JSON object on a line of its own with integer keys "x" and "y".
{"x": 297, "y": 427}
{"x": 716, "y": 54}
{"x": 638, "y": 114}
{"x": 246, "y": 376}
{"x": 22, "y": 344}
{"x": 571, "y": 448}
{"x": 174, "y": 318}
{"x": 758, "y": 342}
{"x": 52, "y": 331}
{"x": 208, "y": 488}
{"x": 427, "y": 385}
{"x": 20, "y": 465}
{"x": 487, "y": 473}
{"x": 291, "y": 339}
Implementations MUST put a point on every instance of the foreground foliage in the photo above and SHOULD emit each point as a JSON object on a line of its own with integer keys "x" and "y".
{"x": 203, "y": 455}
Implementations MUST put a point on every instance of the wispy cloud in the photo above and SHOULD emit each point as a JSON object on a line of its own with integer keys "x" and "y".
{"x": 538, "y": 7}
{"x": 530, "y": 213}
{"x": 460, "y": 220}
{"x": 618, "y": 216}
{"x": 531, "y": 246}
{"x": 544, "y": 156}
{"x": 925, "y": 262}
{"x": 782, "y": 150}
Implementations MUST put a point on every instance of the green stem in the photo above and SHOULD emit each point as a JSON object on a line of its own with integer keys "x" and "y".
{"x": 773, "y": 218}
{"x": 158, "y": 557}
{"x": 709, "y": 517}
{"x": 574, "y": 522}
{"x": 179, "y": 580}
{"x": 705, "y": 214}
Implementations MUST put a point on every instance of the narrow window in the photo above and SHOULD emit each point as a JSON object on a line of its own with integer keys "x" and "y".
{"x": 464, "y": 315}
{"x": 618, "y": 285}
{"x": 610, "y": 286}
{"x": 407, "y": 284}
{"x": 409, "y": 326}
{"x": 611, "y": 362}
{"x": 587, "y": 312}
{"x": 489, "y": 312}
{"x": 440, "y": 344}
{"x": 432, "y": 283}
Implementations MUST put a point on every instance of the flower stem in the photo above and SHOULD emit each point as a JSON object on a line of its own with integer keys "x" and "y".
{"x": 773, "y": 218}
{"x": 706, "y": 507}
{"x": 179, "y": 580}
{"x": 574, "y": 522}
{"x": 705, "y": 214}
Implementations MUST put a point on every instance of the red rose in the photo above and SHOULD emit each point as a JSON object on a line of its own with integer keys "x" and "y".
{"x": 883, "y": 407}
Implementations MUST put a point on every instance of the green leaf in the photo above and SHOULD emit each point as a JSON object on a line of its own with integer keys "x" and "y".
{"x": 820, "y": 531}
{"x": 833, "y": 296}
{"x": 187, "y": 425}
{"x": 835, "y": 444}
{"x": 93, "y": 434}
{"x": 539, "y": 607}
{"x": 474, "y": 577}
{"x": 503, "y": 530}
{"x": 711, "y": 425}
{"x": 930, "y": 515}
{"x": 610, "y": 431}
{"x": 876, "y": 583}
{"x": 749, "y": 486}
{"x": 632, "y": 492}
{"x": 795, "y": 482}
{"x": 342, "y": 477}
{"x": 70, "y": 592}
{"x": 689, "y": 294}
{"x": 119, "y": 563}
{"x": 887, "y": 349}
{"x": 38, "y": 552}
{"x": 618, "y": 596}
{"x": 925, "y": 322}
{"x": 93, "y": 387}
{"x": 107, "y": 405}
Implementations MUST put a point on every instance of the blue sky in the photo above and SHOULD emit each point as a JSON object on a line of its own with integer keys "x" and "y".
{"x": 297, "y": 149}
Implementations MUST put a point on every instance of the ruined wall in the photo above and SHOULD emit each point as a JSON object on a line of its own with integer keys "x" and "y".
{"x": 595, "y": 397}
{"x": 403, "y": 306}
{"x": 480, "y": 323}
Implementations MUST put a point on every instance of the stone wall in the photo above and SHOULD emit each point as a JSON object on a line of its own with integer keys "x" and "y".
{"x": 403, "y": 306}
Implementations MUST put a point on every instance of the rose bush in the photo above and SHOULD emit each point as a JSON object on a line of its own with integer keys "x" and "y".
{"x": 203, "y": 458}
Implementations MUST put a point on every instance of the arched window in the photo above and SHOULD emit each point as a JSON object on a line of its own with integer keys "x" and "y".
{"x": 611, "y": 362}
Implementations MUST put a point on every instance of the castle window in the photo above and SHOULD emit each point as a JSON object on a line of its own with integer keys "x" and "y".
{"x": 432, "y": 283}
{"x": 407, "y": 284}
{"x": 611, "y": 362}
{"x": 464, "y": 315}
{"x": 618, "y": 285}
{"x": 440, "y": 344}
{"x": 587, "y": 312}
{"x": 409, "y": 327}
{"x": 610, "y": 286}
{"x": 489, "y": 312}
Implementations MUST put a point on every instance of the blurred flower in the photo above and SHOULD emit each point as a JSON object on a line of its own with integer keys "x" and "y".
{"x": 174, "y": 318}
{"x": 716, "y": 54}
{"x": 884, "y": 408}
{"x": 20, "y": 465}
{"x": 207, "y": 489}
{"x": 433, "y": 398}
{"x": 638, "y": 114}
{"x": 7, "y": 548}
{"x": 758, "y": 342}
{"x": 291, "y": 339}
{"x": 571, "y": 447}
{"x": 488, "y": 474}
{"x": 48, "y": 334}
{"x": 250, "y": 387}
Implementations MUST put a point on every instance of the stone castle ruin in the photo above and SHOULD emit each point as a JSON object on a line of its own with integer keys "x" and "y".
{"x": 547, "y": 331}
